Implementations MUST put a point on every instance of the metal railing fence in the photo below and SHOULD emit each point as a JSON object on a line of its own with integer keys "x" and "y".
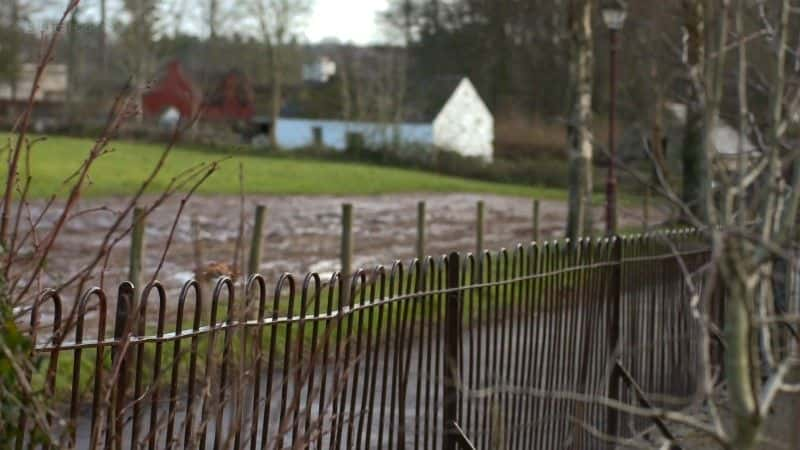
{"x": 434, "y": 354}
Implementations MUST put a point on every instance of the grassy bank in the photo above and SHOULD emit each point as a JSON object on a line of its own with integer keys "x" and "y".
{"x": 121, "y": 171}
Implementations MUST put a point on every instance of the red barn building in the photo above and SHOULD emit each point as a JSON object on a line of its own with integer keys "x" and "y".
{"x": 232, "y": 100}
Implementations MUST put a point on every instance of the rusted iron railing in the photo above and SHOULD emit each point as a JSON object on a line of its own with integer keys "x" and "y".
{"x": 441, "y": 353}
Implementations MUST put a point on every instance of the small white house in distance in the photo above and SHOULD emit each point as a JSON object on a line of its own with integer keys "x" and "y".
{"x": 465, "y": 125}
{"x": 52, "y": 85}
{"x": 724, "y": 138}
{"x": 319, "y": 71}
{"x": 462, "y": 124}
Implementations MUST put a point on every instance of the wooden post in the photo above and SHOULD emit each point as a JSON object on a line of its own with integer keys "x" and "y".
{"x": 536, "y": 221}
{"x": 452, "y": 339}
{"x": 318, "y": 140}
{"x": 197, "y": 246}
{"x": 421, "y": 231}
{"x": 257, "y": 241}
{"x": 355, "y": 141}
{"x": 128, "y": 309}
{"x": 137, "y": 251}
{"x": 479, "y": 229}
{"x": 346, "y": 254}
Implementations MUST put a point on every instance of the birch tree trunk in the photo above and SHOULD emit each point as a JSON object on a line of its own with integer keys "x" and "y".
{"x": 275, "y": 103}
{"x": 741, "y": 363}
{"x": 579, "y": 135}
{"x": 747, "y": 274}
{"x": 692, "y": 156}
{"x": 740, "y": 205}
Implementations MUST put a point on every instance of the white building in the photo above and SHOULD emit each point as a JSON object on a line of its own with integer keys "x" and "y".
{"x": 463, "y": 124}
{"x": 724, "y": 138}
{"x": 319, "y": 71}
{"x": 52, "y": 84}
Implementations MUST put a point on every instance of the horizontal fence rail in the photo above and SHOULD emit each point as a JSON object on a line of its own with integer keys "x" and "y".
{"x": 440, "y": 353}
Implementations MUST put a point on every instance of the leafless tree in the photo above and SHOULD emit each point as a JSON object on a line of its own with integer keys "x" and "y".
{"x": 278, "y": 22}
{"x": 138, "y": 35}
{"x": 579, "y": 126}
{"x": 746, "y": 197}
{"x": 26, "y": 242}
{"x": 15, "y": 16}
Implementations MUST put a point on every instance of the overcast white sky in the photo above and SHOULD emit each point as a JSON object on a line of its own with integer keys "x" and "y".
{"x": 347, "y": 20}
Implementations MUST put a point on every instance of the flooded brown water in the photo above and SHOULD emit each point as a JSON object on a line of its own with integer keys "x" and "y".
{"x": 303, "y": 232}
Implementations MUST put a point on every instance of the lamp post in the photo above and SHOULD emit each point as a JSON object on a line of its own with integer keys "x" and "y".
{"x": 614, "y": 13}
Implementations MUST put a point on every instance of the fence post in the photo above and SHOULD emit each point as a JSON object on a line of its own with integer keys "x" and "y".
{"x": 137, "y": 250}
{"x": 346, "y": 254}
{"x": 614, "y": 336}
{"x": 536, "y": 220}
{"x": 197, "y": 246}
{"x": 452, "y": 336}
{"x": 254, "y": 264}
{"x": 479, "y": 228}
{"x": 318, "y": 140}
{"x": 421, "y": 231}
{"x": 646, "y": 207}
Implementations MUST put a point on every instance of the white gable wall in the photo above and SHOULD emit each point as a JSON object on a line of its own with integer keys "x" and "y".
{"x": 465, "y": 125}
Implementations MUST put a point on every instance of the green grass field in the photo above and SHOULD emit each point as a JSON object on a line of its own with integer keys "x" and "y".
{"x": 122, "y": 171}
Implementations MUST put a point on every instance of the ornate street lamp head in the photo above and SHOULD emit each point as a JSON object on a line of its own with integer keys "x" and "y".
{"x": 614, "y": 14}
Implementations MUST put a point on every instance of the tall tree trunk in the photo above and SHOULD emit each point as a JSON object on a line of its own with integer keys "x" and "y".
{"x": 213, "y": 12}
{"x": 500, "y": 57}
{"x": 72, "y": 68}
{"x": 344, "y": 83}
{"x": 275, "y": 104}
{"x": 436, "y": 22}
{"x": 139, "y": 38}
{"x": 15, "y": 19}
{"x": 740, "y": 265}
{"x": 714, "y": 87}
{"x": 740, "y": 341}
{"x": 788, "y": 221}
{"x": 343, "y": 72}
{"x": 399, "y": 81}
{"x": 657, "y": 127}
{"x": 579, "y": 135}
{"x": 103, "y": 43}
{"x": 740, "y": 204}
{"x": 692, "y": 150}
